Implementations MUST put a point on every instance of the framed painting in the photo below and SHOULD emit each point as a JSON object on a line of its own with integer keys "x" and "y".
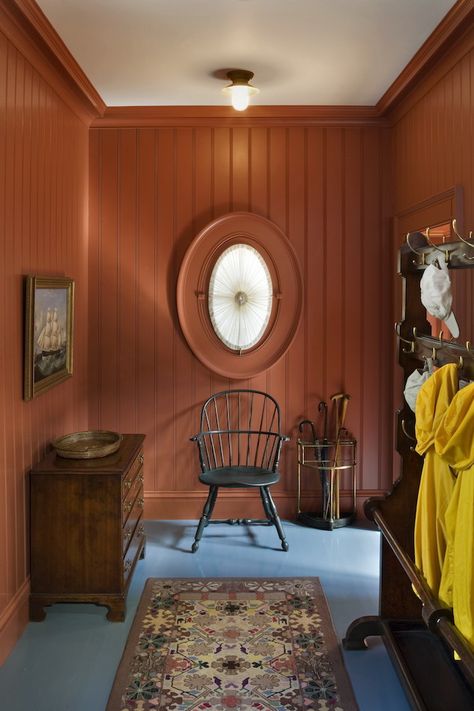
{"x": 49, "y": 315}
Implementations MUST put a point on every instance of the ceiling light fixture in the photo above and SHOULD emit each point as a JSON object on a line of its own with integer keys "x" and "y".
{"x": 240, "y": 90}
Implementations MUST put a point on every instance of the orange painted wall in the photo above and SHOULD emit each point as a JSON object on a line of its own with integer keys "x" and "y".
{"x": 152, "y": 190}
{"x": 43, "y": 228}
{"x": 432, "y": 138}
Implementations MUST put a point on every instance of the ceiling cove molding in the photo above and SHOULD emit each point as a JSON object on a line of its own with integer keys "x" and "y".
{"x": 165, "y": 116}
{"x": 459, "y": 19}
{"x": 29, "y": 29}
{"x": 23, "y": 20}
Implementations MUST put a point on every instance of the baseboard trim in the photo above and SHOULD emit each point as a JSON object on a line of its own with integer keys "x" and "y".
{"x": 13, "y": 620}
{"x": 168, "y": 505}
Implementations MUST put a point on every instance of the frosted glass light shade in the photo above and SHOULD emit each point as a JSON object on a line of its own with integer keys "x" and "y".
{"x": 240, "y": 97}
{"x": 240, "y": 297}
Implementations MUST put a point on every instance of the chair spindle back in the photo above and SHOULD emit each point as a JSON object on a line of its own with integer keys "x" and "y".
{"x": 240, "y": 428}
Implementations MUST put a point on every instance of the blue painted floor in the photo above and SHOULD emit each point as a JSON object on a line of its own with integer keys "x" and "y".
{"x": 68, "y": 662}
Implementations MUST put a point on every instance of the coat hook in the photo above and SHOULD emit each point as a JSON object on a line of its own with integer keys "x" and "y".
{"x": 445, "y": 251}
{"x": 404, "y": 430}
{"x": 468, "y": 347}
{"x": 420, "y": 254}
{"x": 461, "y": 363}
{"x": 404, "y": 340}
{"x": 455, "y": 229}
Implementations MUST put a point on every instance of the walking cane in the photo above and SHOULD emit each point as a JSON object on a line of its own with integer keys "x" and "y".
{"x": 322, "y": 407}
{"x": 340, "y": 401}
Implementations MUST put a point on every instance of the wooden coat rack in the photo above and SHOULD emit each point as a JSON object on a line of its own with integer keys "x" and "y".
{"x": 418, "y": 630}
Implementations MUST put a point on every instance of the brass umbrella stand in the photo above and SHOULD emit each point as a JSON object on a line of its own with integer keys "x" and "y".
{"x": 335, "y": 462}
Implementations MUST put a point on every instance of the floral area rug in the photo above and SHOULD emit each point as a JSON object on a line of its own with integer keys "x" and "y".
{"x": 248, "y": 644}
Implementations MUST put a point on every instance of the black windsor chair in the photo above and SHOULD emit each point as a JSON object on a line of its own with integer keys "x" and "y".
{"x": 239, "y": 448}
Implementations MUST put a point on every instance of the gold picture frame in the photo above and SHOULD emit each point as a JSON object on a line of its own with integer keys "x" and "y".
{"x": 49, "y": 316}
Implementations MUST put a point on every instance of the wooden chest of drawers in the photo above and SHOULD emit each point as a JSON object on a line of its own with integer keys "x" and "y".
{"x": 86, "y": 528}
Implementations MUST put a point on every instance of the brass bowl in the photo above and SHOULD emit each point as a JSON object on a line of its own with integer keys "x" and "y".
{"x": 87, "y": 445}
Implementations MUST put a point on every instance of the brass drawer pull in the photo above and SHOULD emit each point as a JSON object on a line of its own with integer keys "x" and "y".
{"x": 141, "y": 529}
{"x": 127, "y": 566}
{"x": 127, "y": 507}
{"x": 141, "y": 502}
{"x": 127, "y": 484}
{"x": 127, "y": 534}
{"x": 141, "y": 459}
{"x": 140, "y": 478}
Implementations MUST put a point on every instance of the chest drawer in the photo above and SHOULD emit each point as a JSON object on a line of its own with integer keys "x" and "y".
{"x": 136, "y": 499}
{"x": 133, "y": 517}
{"x": 130, "y": 476}
{"x": 137, "y": 543}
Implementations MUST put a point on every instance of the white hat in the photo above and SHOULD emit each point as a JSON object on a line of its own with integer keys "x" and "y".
{"x": 436, "y": 295}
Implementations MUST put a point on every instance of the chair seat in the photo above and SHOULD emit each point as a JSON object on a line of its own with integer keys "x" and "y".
{"x": 239, "y": 477}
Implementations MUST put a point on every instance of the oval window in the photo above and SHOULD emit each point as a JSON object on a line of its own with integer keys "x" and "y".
{"x": 240, "y": 297}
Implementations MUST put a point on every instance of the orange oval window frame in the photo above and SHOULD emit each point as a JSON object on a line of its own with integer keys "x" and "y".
{"x": 193, "y": 287}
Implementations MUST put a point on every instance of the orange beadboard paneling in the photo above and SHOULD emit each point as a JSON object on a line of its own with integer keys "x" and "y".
{"x": 43, "y": 213}
{"x": 152, "y": 190}
{"x": 432, "y": 135}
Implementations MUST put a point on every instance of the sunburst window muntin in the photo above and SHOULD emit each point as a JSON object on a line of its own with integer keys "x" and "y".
{"x": 240, "y": 297}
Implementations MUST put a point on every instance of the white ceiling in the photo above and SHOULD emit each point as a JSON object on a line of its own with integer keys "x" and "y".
{"x": 167, "y": 52}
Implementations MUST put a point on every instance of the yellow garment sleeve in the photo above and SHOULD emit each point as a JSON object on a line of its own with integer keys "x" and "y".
{"x": 437, "y": 480}
{"x": 454, "y": 442}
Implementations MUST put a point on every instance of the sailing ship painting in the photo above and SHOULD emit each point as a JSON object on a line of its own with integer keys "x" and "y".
{"x": 49, "y": 332}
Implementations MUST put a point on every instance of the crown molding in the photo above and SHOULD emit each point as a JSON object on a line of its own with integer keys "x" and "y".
{"x": 24, "y": 20}
{"x": 267, "y": 116}
{"x": 29, "y": 29}
{"x": 459, "y": 19}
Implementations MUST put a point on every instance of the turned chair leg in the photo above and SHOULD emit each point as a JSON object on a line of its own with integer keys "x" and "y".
{"x": 269, "y": 505}
{"x": 266, "y": 505}
{"x": 206, "y": 514}
{"x": 213, "y": 493}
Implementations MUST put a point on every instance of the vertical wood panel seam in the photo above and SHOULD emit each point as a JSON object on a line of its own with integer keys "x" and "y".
{"x": 361, "y": 302}
{"x": 287, "y": 231}
{"x": 136, "y": 276}
{"x": 193, "y": 222}
{"x": 21, "y": 563}
{"x": 325, "y": 257}
{"x": 306, "y": 355}
{"x": 175, "y": 266}
{"x": 118, "y": 337}
{"x": 343, "y": 255}
{"x": 213, "y": 186}
{"x": 4, "y": 312}
{"x": 13, "y": 510}
{"x": 382, "y": 320}
{"x": 267, "y": 215}
{"x": 98, "y": 273}
{"x": 231, "y": 167}
{"x": 17, "y": 437}
{"x": 156, "y": 209}
{"x": 249, "y": 171}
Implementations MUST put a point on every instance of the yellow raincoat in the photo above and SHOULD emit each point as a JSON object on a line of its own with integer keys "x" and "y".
{"x": 455, "y": 444}
{"x": 437, "y": 480}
